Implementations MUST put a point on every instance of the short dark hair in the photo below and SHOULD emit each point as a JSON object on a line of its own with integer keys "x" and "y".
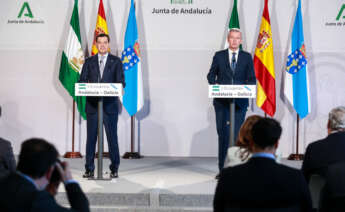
{"x": 266, "y": 132}
{"x": 36, "y": 157}
{"x": 102, "y": 35}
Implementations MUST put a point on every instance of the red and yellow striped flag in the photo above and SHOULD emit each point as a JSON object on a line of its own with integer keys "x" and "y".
{"x": 264, "y": 66}
{"x": 101, "y": 26}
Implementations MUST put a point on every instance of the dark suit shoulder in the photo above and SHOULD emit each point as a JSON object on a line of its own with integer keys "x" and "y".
{"x": 91, "y": 58}
{"x": 114, "y": 57}
{"x": 288, "y": 169}
{"x": 4, "y": 142}
{"x": 16, "y": 193}
{"x": 316, "y": 143}
{"x": 221, "y": 52}
{"x": 244, "y": 53}
{"x": 329, "y": 141}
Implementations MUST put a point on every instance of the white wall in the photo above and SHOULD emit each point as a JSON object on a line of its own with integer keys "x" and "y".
{"x": 177, "y": 119}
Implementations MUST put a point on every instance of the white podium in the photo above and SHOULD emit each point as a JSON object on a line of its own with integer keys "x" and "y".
{"x": 99, "y": 90}
{"x": 232, "y": 91}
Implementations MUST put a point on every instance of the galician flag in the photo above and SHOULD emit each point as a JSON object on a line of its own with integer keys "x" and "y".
{"x": 101, "y": 26}
{"x": 133, "y": 99}
{"x": 72, "y": 60}
{"x": 234, "y": 22}
{"x": 264, "y": 66}
{"x": 296, "y": 77}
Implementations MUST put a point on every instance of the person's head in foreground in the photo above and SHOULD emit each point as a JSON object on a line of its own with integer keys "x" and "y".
{"x": 37, "y": 159}
{"x": 266, "y": 134}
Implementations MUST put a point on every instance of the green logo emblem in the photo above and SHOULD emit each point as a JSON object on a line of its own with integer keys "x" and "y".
{"x": 215, "y": 88}
{"x": 28, "y": 12}
{"x": 181, "y": 1}
{"x": 82, "y": 86}
{"x": 341, "y": 12}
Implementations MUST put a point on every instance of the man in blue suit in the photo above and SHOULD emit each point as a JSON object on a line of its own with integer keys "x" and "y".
{"x": 231, "y": 66}
{"x": 102, "y": 68}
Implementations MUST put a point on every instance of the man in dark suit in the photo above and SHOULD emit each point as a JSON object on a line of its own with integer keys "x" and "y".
{"x": 102, "y": 68}
{"x": 7, "y": 160}
{"x": 25, "y": 190}
{"x": 326, "y": 158}
{"x": 261, "y": 184}
{"x": 320, "y": 154}
{"x": 230, "y": 67}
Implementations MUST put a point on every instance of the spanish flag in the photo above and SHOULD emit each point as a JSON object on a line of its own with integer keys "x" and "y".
{"x": 101, "y": 26}
{"x": 264, "y": 66}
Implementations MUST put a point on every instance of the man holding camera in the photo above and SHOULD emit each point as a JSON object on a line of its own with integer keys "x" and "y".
{"x": 24, "y": 190}
{"x": 7, "y": 160}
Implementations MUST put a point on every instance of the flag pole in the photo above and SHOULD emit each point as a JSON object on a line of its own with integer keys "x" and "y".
{"x": 132, "y": 154}
{"x": 73, "y": 154}
{"x": 296, "y": 156}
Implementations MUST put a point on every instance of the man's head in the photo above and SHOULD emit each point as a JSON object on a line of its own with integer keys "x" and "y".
{"x": 266, "y": 133}
{"x": 36, "y": 158}
{"x": 336, "y": 119}
{"x": 102, "y": 43}
{"x": 234, "y": 39}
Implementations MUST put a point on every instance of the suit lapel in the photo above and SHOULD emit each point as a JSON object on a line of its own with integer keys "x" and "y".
{"x": 227, "y": 63}
{"x": 96, "y": 66}
{"x": 239, "y": 60}
{"x": 108, "y": 64}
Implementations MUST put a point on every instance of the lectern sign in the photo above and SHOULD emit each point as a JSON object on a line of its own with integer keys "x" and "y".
{"x": 232, "y": 91}
{"x": 98, "y": 89}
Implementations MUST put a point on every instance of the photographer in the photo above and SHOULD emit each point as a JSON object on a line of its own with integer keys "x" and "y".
{"x": 55, "y": 181}
{"x": 25, "y": 190}
{"x": 7, "y": 160}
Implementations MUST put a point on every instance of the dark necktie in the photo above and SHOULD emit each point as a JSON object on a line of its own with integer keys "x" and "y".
{"x": 233, "y": 61}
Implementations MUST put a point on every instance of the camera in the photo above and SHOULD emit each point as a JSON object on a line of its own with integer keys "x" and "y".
{"x": 56, "y": 177}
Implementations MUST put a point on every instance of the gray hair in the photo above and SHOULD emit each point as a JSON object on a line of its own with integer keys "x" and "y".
{"x": 235, "y": 30}
{"x": 336, "y": 119}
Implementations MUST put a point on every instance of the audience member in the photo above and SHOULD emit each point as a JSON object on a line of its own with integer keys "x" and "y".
{"x": 7, "y": 160}
{"x": 326, "y": 158}
{"x": 24, "y": 190}
{"x": 261, "y": 184}
{"x": 320, "y": 154}
{"x": 54, "y": 181}
{"x": 241, "y": 152}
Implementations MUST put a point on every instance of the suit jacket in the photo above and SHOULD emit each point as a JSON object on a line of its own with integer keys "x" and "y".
{"x": 261, "y": 183}
{"x": 332, "y": 198}
{"x": 7, "y": 161}
{"x": 221, "y": 73}
{"x": 113, "y": 73}
{"x": 17, "y": 194}
{"x": 320, "y": 154}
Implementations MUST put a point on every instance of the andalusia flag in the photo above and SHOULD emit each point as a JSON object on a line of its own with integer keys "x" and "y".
{"x": 234, "y": 22}
{"x": 72, "y": 60}
{"x": 264, "y": 66}
{"x": 101, "y": 26}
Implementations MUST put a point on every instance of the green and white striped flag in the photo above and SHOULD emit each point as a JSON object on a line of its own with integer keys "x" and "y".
{"x": 72, "y": 60}
{"x": 234, "y": 22}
